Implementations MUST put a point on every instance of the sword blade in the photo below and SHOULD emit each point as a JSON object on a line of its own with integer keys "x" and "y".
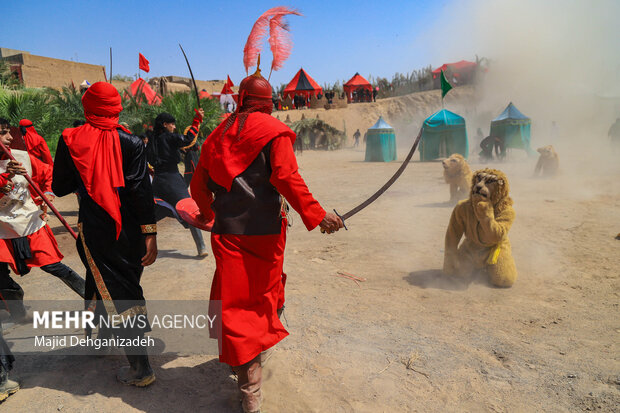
{"x": 191, "y": 74}
{"x": 389, "y": 183}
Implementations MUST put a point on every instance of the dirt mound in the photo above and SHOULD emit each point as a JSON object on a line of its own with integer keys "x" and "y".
{"x": 404, "y": 113}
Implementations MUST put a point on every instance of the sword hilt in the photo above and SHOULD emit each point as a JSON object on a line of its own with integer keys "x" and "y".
{"x": 341, "y": 218}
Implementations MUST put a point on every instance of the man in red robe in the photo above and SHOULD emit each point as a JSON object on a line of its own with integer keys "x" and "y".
{"x": 35, "y": 143}
{"x": 26, "y": 241}
{"x": 247, "y": 166}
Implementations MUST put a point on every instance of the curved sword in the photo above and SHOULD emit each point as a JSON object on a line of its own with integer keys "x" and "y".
{"x": 191, "y": 74}
{"x": 384, "y": 188}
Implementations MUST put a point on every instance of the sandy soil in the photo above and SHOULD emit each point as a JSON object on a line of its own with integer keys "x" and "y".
{"x": 406, "y": 339}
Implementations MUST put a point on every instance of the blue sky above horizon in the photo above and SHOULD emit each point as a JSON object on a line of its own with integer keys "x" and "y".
{"x": 332, "y": 40}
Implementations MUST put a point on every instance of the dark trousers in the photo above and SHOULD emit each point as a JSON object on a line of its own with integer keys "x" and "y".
{"x": 57, "y": 269}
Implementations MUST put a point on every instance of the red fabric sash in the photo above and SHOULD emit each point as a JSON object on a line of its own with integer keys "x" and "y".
{"x": 226, "y": 156}
{"x": 96, "y": 150}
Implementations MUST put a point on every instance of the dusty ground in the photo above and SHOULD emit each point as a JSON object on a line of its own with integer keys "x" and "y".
{"x": 406, "y": 339}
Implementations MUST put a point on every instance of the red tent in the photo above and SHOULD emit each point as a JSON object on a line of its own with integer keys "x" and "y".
{"x": 458, "y": 68}
{"x": 303, "y": 85}
{"x": 204, "y": 94}
{"x": 226, "y": 90}
{"x": 355, "y": 83}
{"x": 140, "y": 86}
{"x": 463, "y": 72}
{"x": 229, "y": 82}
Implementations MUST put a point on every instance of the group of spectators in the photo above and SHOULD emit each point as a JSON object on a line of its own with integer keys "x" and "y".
{"x": 363, "y": 95}
{"x": 299, "y": 101}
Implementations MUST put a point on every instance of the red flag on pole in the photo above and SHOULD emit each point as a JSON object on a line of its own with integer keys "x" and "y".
{"x": 144, "y": 64}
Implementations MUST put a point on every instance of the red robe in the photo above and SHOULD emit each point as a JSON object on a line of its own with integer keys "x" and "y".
{"x": 42, "y": 242}
{"x": 249, "y": 278}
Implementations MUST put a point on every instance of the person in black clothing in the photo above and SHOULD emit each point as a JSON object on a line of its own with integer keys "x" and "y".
{"x": 164, "y": 155}
{"x": 116, "y": 221}
{"x": 487, "y": 149}
{"x": 488, "y": 144}
{"x": 500, "y": 148}
{"x": 357, "y": 135}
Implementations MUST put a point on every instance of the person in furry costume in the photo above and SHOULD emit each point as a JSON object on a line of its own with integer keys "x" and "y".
{"x": 548, "y": 162}
{"x": 457, "y": 174}
{"x": 485, "y": 219}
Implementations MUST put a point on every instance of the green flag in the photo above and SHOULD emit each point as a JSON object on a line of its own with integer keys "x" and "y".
{"x": 445, "y": 86}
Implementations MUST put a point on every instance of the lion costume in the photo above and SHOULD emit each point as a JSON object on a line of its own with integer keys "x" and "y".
{"x": 457, "y": 174}
{"x": 548, "y": 162}
{"x": 484, "y": 218}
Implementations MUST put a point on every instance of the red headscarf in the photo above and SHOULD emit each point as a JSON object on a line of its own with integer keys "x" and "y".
{"x": 35, "y": 144}
{"x": 96, "y": 149}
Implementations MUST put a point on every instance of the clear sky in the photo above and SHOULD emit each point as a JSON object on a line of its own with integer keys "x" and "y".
{"x": 332, "y": 40}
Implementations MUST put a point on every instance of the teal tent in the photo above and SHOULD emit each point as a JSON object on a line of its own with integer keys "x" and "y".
{"x": 444, "y": 134}
{"x": 380, "y": 142}
{"x": 514, "y": 128}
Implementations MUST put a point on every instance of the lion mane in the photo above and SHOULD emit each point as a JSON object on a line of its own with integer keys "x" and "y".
{"x": 458, "y": 175}
{"x": 500, "y": 197}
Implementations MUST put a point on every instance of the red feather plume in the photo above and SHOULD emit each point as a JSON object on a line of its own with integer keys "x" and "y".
{"x": 279, "y": 38}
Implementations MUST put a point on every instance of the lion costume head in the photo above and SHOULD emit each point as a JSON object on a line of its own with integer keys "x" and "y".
{"x": 455, "y": 167}
{"x": 491, "y": 184}
{"x": 548, "y": 162}
{"x": 547, "y": 152}
{"x": 457, "y": 174}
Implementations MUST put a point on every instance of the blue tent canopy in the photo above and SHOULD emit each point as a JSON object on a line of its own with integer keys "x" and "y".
{"x": 511, "y": 113}
{"x": 381, "y": 124}
{"x": 444, "y": 119}
{"x": 514, "y": 128}
{"x": 444, "y": 134}
{"x": 380, "y": 142}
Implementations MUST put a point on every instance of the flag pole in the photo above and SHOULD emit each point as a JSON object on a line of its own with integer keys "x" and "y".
{"x": 110, "y": 65}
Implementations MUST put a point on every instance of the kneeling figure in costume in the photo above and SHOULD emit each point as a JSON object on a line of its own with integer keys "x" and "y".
{"x": 485, "y": 219}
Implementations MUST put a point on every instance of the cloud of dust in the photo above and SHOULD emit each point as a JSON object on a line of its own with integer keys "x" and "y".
{"x": 556, "y": 60}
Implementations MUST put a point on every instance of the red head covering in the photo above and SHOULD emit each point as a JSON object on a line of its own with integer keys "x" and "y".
{"x": 254, "y": 96}
{"x": 96, "y": 149}
{"x": 35, "y": 144}
{"x": 238, "y": 140}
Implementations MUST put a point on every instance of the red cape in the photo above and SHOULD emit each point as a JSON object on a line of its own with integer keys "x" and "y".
{"x": 225, "y": 157}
